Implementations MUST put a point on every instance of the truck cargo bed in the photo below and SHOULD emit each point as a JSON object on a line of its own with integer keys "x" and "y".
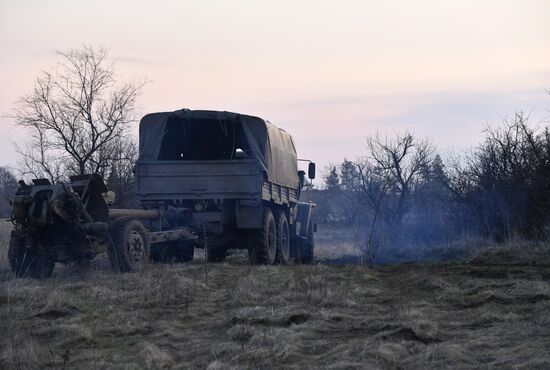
{"x": 205, "y": 179}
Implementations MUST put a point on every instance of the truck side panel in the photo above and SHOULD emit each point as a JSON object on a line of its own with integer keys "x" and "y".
{"x": 222, "y": 179}
{"x": 169, "y": 180}
{"x": 279, "y": 194}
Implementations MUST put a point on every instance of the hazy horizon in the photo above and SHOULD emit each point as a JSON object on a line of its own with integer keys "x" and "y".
{"x": 329, "y": 74}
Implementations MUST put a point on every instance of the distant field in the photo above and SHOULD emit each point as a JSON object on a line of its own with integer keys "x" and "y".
{"x": 232, "y": 315}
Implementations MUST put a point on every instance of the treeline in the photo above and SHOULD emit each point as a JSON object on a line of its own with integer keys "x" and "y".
{"x": 8, "y": 186}
{"x": 403, "y": 194}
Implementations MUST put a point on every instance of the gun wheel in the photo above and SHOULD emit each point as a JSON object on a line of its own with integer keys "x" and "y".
{"x": 129, "y": 249}
{"x": 135, "y": 246}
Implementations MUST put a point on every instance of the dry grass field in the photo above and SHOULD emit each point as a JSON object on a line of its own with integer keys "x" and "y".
{"x": 485, "y": 314}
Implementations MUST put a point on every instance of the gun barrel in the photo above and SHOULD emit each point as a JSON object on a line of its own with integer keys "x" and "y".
{"x": 148, "y": 214}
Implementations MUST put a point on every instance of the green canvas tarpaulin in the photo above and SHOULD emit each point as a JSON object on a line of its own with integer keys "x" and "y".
{"x": 201, "y": 134}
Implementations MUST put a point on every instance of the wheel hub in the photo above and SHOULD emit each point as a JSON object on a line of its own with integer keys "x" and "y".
{"x": 136, "y": 246}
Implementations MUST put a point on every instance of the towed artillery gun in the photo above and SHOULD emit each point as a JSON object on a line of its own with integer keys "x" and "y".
{"x": 72, "y": 223}
{"x": 206, "y": 179}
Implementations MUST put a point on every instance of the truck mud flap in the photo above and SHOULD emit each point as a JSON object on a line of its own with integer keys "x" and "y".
{"x": 303, "y": 216}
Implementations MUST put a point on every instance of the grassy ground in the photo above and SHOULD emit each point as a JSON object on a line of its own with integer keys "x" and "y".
{"x": 476, "y": 315}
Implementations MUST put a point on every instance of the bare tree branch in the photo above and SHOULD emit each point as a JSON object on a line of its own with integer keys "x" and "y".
{"x": 77, "y": 112}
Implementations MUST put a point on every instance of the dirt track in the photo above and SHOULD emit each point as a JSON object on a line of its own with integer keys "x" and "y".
{"x": 406, "y": 316}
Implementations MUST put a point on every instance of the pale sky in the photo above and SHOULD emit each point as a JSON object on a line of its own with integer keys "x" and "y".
{"x": 329, "y": 72}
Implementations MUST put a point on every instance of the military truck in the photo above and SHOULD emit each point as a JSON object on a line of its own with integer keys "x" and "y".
{"x": 233, "y": 179}
{"x": 206, "y": 179}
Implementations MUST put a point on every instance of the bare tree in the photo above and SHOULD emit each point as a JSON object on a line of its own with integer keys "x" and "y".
{"x": 8, "y": 186}
{"x": 37, "y": 160}
{"x": 373, "y": 183}
{"x": 374, "y": 188}
{"x": 121, "y": 173}
{"x": 400, "y": 160}
{"x": 76, "y": 114}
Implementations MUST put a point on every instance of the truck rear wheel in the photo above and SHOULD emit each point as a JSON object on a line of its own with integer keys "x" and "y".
{"x": 283, "y": 239}
{"x": 129, "y": 247}
{"x": 28, "y": 260}
{"x": 262, "y": 248}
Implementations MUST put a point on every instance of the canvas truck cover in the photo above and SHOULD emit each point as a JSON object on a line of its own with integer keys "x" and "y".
{"x": 201, "y": 134}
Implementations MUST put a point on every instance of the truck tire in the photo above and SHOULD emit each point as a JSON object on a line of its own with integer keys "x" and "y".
{"x": 305, "y": 247}
{"x": 283, "y": 239}
{"x": 28, "y": 261}
{"x": 129, "y": 247}
{"x": 262, "y": 247}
